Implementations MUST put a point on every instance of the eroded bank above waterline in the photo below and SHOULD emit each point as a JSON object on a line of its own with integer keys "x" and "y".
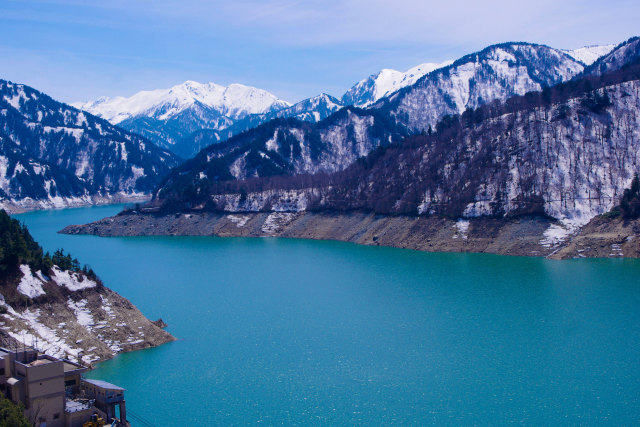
{"x": 521, "y": 236}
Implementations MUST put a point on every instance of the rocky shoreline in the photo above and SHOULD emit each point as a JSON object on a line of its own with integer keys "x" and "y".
{"x": 519, "y": 236}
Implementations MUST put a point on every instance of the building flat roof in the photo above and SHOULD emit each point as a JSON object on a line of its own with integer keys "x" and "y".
{"x": 103, "y": 384}
{"x": 69, "y": 367}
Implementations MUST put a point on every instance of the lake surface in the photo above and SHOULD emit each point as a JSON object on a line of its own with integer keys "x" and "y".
{"x": 303, "y": 332}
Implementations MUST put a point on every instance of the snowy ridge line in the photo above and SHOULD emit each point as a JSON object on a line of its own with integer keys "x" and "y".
{"x": 234, "y": 101}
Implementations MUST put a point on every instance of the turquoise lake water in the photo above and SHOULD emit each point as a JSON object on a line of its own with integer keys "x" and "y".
{"x": 278, "y": 331}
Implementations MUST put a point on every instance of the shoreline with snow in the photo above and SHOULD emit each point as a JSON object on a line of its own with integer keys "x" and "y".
{"x": 14, "y": 207}
{"x": 518, "y": 236}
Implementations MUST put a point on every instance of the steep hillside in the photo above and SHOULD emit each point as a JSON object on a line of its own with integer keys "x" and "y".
{"x": 54, "y": 155}
{"x": 624, "y": 54}
{"x": 285, "y": 147}
{"x": 590, "y": 54}
{"x": 495, "y": 73}
{"x": 64, "y": 310}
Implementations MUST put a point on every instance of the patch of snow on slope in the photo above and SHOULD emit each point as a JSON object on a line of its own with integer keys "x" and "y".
{"x": 29, "y": 285}
{"x": 589, "y": 54}
{"x": 47, "y": 339}
{"x": 71, "y": 280}
{"x": 275, "y": 221}
{"x": 83, "y": 314}
{"x": 556, "y": 234}
{"x": 461, "y": 228}
{"x": 239, "y": 221}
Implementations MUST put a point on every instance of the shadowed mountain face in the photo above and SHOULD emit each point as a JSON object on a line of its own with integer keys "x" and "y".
{"x": 52, "y": 154}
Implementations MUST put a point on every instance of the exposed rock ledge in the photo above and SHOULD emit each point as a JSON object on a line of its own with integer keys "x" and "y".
{"x": 525, "y": 236}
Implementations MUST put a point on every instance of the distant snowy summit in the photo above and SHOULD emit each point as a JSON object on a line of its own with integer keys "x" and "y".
{"x": 234, "y": 101}
{"x": 590, "y": 54}
{"x": 166, "y": 116}
{"x": 386, "y": 82}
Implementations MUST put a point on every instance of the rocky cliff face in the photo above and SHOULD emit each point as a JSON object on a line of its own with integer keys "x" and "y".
{"x": 54, "y": 155}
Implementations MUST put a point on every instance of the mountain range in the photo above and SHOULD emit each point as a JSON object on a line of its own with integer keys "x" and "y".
{"x": 167, "y": 115}
{"x": 55, "y": 155}
{"x": 190, "y": 116}
{"x": 294, "y": 146}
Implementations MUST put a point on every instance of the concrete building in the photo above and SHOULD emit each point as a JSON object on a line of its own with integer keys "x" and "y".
{"x": 53, "y": 392}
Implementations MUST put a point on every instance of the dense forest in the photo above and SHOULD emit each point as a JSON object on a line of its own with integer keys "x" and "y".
{"x": 18, "y": 247}
{"x": 12, "y": 415}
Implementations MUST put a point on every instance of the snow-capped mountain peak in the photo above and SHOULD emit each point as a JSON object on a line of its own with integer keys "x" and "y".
{"x": 590, "y": 54}
{"x": 386, "y": 82}
{"x": 236, "y": 100}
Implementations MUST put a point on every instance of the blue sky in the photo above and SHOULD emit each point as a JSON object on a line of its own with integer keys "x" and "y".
{"x": 77, "y": 50}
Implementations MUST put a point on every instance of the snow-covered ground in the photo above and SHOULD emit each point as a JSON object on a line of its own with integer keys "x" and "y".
{"x": 590, "y": 54}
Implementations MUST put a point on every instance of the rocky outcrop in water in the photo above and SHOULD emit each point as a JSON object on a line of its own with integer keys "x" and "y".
{"x": 71, "y": 316}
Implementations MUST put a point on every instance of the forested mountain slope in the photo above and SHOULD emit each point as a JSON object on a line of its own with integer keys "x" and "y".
{"x": 52, "y": 154}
